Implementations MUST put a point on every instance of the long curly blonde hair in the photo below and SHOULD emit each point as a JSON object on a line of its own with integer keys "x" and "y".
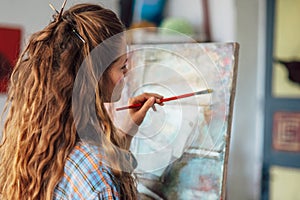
{"x": 40, "y": 128}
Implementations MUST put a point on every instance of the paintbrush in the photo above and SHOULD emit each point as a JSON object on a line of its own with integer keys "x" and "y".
{"x": 207, "y": 91}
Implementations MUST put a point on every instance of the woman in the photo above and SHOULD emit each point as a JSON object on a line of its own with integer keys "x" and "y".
{"x": 58, "y": 139}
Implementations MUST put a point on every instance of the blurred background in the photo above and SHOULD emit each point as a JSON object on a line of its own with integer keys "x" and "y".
{"x": 264, "y": 158}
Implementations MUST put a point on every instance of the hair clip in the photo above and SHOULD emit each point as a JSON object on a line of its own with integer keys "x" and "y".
{"x": 60, "y": 17}
{"x": 78, "y": 35}
{"x": 62, "y": 9}
{"x": 52, "y": 7}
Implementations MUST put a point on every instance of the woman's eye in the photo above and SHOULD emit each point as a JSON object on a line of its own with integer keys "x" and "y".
{"x": 124, "y": 67}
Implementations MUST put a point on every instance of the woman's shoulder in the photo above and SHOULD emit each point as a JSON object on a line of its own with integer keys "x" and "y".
{"x": 86, "y": 174}
{"x": 86, "y": 158}
{"x": 86, "y": 153}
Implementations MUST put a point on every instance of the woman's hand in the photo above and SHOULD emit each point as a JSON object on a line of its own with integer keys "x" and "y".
{"x": 147, "y": 100}
{"x": 137, "y": 115}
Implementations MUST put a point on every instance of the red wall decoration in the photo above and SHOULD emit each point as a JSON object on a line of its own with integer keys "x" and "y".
{"x": 10, "y": 40}
{"x": 286, "y": 131}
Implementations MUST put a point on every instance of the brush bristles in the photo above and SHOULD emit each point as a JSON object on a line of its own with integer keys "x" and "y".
{"x": 204, "y": 92}
{"x": 209, "y": 90}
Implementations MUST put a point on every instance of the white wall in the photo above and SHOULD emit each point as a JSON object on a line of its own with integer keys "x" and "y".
{"x": 232, "y": 20}
{"x": 246, "y": 142}
{"x": 2, "y": 103}
{"x": 223, "y": 20}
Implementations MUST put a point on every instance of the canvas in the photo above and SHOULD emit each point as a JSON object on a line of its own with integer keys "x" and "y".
{"x": 182, "y": 147}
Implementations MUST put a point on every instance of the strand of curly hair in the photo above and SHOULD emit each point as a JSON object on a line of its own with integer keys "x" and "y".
{"x": 40, "y": 129}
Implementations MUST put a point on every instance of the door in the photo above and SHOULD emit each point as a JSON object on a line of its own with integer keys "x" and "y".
{"x": 281, "y": 156}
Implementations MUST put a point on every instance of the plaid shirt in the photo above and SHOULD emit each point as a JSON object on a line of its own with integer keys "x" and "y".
{"x": 86, "y": 177}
